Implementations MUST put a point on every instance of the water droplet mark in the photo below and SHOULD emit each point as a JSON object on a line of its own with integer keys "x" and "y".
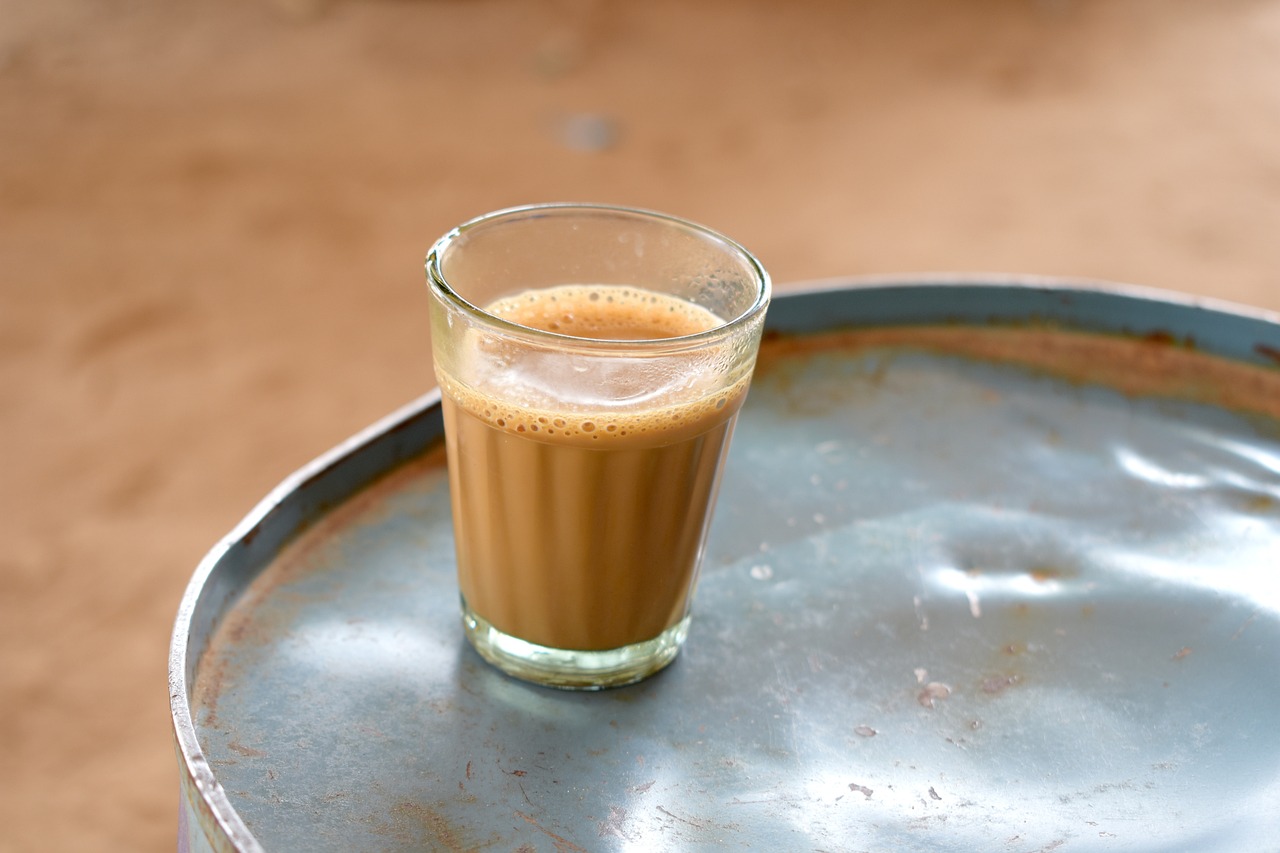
{"x": 932, "y": 692}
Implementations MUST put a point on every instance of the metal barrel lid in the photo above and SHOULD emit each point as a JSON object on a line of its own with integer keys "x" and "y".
{"x": 996, "y": 566}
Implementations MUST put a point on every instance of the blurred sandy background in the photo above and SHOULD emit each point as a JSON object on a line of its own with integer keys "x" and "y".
{"x": 213, "y": 215}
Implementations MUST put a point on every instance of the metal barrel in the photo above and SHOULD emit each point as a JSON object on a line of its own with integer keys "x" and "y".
{"x": 993, "y": 559}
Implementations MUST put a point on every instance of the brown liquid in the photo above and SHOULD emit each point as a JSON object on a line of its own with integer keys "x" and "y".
{"x": 583, "y": 529}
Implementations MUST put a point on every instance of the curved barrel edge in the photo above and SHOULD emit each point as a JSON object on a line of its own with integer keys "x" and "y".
{"x": 208, "y": 822}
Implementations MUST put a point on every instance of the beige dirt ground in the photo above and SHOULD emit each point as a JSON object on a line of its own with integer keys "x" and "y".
{"x": 213, "y": 214}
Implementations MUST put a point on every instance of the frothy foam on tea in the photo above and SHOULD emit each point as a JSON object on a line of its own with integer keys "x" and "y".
{"x": 599, "y": 398}
{"x": 605, "y": 313}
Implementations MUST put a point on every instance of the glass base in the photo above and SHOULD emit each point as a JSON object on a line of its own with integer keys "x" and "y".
{"x": 571, "y": 669}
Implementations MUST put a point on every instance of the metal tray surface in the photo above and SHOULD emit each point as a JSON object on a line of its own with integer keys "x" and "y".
{"x": 959, "y": 595}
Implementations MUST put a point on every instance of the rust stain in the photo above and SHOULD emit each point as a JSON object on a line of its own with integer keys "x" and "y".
{"x": 561, "y": 843}
{"x": 1268, "y": 351}
{"x": 1182, "y": 653}
{"x": 1260, "y": 503}
{"x": 246, "y": 751}
{"x": 435, "y": 825}
{"x": 296, "y": 558}
{"x": 251, "y": 535}
{"x": 1157, "y": 365}
{"x": 205, "y": 693}
{"x": 1164, "y": 338}
{"x": 1044, "y": 574}
{"x": 248, "y": 624}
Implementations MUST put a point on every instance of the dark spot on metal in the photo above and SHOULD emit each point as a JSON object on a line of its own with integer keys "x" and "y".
{"x": 1163, "y": 337}
{"x": 1268, "y": 352}
{"x": 1243, "y": 625}
{"x": 861, "y": 789}
{"x": 1260, "y": 503}
{"x": 934, "y": 794}
{"x": 1044, "y": 574}
{"x": 561, "y": 844}
{"x": 409, "y": 816}
{"x": 251, "y": 534}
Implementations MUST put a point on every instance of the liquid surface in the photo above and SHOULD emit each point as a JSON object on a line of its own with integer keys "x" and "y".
{"x": 605, "y": 313}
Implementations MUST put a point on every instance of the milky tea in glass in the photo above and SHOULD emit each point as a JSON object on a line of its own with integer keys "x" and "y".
{"x": 592, "y": 361}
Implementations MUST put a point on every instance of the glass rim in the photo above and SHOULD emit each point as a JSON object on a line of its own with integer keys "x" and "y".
{"x": 441, "y": 287}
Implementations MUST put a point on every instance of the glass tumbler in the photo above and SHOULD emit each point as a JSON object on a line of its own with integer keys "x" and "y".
{"x": 592, "y": 361}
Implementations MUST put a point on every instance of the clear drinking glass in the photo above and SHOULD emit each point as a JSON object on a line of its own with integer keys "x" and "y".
{"x": 592, "y": 361}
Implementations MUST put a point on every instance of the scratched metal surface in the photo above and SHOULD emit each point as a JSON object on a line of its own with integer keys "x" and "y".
{"x": 950, "y": 603}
